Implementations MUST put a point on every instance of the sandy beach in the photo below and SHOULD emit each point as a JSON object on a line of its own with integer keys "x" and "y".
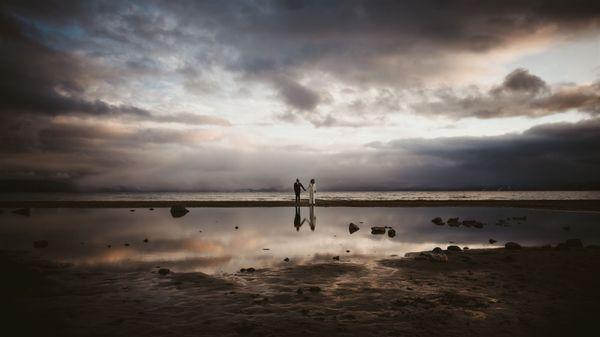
{"x": 541, "y": 291}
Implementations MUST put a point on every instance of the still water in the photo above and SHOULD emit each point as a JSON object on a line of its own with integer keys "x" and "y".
{"x": 206, "y": 239}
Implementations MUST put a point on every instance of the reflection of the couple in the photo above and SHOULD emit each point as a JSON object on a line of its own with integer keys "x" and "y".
{"x": 312, "y": 219}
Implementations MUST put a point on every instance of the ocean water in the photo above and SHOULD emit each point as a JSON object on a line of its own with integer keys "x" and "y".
{"x": 207, "y": 240}
{"x": 323, "y": 195}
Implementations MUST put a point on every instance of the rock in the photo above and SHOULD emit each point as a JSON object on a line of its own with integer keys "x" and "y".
{"x": 108, "y": 246}
{"x": 151, "y": 209}
{"x": 299, "y": 291}
{"x": 132, "y": 210}
{"x": 164, "y": 271}
{"x": 468, "y": 223}
{"x": 512, "y": 245}
{"x": 287, "y": 259}
{"x": 40, "y": 244}
{"x": 441, "y": 257}
{"x": 347, "y": 251}
{"x": 337, "y": 258}
{"x": 314, "y": 289}
{"x": 377, "y": 230}
{"x": 391, "y": 232}
{"x": 23, "y": 211}
{"x": 465, "y": 248}
{"x": 438, "y": 221}
{"x": 492, "y": 241}
{"x": 453, "y": 249}
{"x": 266, "y": 248}
{"x": 453, "y": 222}
{"x": 353, "y": 228}
{"x": 146, "y": 240}
{"x": 478, "y": 224}
{"x": 237, "y": 227}
{"x": 178, "y": 211}
{"x": 502, "y": 223}
{"x": 126, "y": 245}
{"x": 437, "y": 250}
{"x": 247, "y": 270}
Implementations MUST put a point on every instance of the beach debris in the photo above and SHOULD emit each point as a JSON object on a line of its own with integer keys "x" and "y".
{"x": 40, "y": 244}
{"x": 377, "y": 230}
{"x": 432, "y": 257}
{"x": 570, "y": 244}
{"x": 337, "y": 257}
{"x": 453, "y": 222}
{"x": 492, "y": 241}
{"x": 512, "y": 245}
{"x": 566, "y": 228}
{"x": 353, "y": 228}
{"x": 146, "y": 240}
{"x": 438, "y": 221}
{"x": 287, "y": 259}
{"x": 437, "y": 250}
{"x": 391, "y": 232}
{"x": 178, "y": 211}
{"x": 23, "y": 211}
{"x": 453, "y": 248}
{"x": 164, "y": 271}
{"x": 247, "y": 270}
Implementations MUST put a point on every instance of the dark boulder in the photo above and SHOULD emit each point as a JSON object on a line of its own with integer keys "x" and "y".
{"x": 40, "y": 244}
{"x": 178, "y": 211}
{"x": 287, "y": 259}
{"x": 353, "y": 228}
{"x": 337, "y": 257}
{"x": 391, "y": 232}
{"x": 377, "y": 230}
{"x": 492, "y": 241}
{"x": 438, "y": 221}
{"x": 512, "y": 245}
{"x": 437, "y": 250}
{"x": 453, "y": 249}
{"x": 453, "y": 222}
{"x": 164, "y": 271}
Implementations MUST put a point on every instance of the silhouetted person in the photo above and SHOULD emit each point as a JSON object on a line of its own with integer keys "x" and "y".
{"x": 297, "y": 222}
{"x": 312, "y": 189}
{"x": 297, "y": 186}
{"x": 312, "y": 219}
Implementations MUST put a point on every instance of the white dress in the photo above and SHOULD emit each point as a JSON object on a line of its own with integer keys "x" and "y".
{"x": 312, "y": 189}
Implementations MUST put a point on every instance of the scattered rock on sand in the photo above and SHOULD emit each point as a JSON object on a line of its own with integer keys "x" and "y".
{"x": 40, "y": 244}
{"x": 465, "y": 248}
{"x": 23, "y": 211}
{"x": 391, "y": 232}
{"x": 287, "y": 259}
{"x": 492, "y": 241}
{"x": 512, "y": 245}
{"x": 453, "y": 222}
{"x": 178, "y": 211}
{"x": 438, "y": 221}
{"x": 377, "y": 230}
{"x": 453, "y": 249}
{"x": 164, "y": 271}
{"x": 352, "y": 228}
{"x": 247, "y": 270}
{"x": 337, "y": 257}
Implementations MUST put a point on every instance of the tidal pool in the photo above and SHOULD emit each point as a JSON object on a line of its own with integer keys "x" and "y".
{"x": 206, "y": 239}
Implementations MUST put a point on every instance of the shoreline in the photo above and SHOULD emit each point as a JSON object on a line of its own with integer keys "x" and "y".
{"x": 567, "y": 205}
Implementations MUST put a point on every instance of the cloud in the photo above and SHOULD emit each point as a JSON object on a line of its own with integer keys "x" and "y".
{"x": 295, "y": 95}
{"x": 520, "y": 94}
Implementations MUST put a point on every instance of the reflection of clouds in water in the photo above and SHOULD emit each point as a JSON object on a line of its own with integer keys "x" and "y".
{"x": 219, "y": 247}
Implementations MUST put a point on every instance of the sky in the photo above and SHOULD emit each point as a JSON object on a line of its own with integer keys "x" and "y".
{"x": 360, "y": 95}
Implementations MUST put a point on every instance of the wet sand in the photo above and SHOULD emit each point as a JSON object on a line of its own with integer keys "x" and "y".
{"x": 571, "y": 205}
{"x": 487, "y": 292}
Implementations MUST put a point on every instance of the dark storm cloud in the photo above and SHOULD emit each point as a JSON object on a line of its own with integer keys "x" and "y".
{"x": 521, "y": 94}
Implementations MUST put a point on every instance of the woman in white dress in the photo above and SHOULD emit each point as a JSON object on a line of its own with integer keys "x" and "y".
{"x": 312, "y": 189}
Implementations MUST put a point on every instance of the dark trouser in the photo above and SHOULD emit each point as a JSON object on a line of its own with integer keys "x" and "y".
{"x": 297, "y": 198}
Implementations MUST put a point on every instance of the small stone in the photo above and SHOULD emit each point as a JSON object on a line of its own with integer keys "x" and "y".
{"x": 108, "y": 246}
{"x": 465, "y": 248}
{"x": 266, "y": 248}
{"x": 146, "y": 240}
{"x": 347, "y": 251}
{"x": 453, "y": 249}
{"x": 40, "y": 244}
{"x": 353, "y": 228}
{"x": 236, "y": 227}
{"x": 391, "y": 233}
{"x": 126, "y": 245}
{"x": 23, "y": 211}
{"x": 512, "y": 245}
{"x": 438, "y": 221}
{"x": 164, "y": 271}
{"x": 132, "y": 210}
{"x": 151, "y": 209}
{"x": 377, "y": 230}
{"x": 337, "y": 258}
{"x": 287, "y": 259}
{"x": 250, "y": 270}
{"x": 492, "y": 241}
